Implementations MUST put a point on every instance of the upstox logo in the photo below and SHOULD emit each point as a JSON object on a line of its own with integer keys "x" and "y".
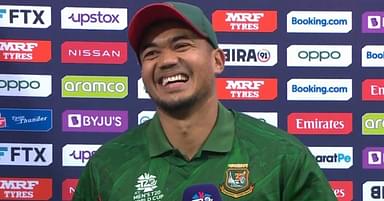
{"x": 249, "y": 54}
{"x": 25, "y": 50}
{"x": 94, "y": 18}
{"x": 373, "y": 90}
{"x": 25, "y": 16}
{"x": 244, "y": 20}
{"x": 319, "y": 21}
{"x": 94, "y": 86}
{"x": 373, "y": 191}
{"x": 25, "y": 85}
{"x": 26, "y": 154}
{"x": 78, "y": 155}
{"x": 333, "y": 157}
{"x": 12, "y": 188}
{"x": 319, "y": 89}
{"x": 319, "y": 55}
{"x": 373, "y": 124}
{"x": 246, "y": 88}
{"x": 372, "y": 56}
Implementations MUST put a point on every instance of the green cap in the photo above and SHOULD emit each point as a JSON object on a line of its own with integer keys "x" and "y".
{"x": 188, "y": 14}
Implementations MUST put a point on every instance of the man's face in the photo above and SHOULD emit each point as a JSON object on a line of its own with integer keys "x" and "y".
{"x": 178, "y": 66}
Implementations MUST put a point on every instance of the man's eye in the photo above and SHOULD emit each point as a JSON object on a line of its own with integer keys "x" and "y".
{"x": 182, "y": 46}
{"x": 149, "y": 54}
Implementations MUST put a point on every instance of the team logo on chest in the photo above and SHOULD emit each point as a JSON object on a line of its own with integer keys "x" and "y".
{"x": 236, "y": 182}
{"x": 146, "y": 188}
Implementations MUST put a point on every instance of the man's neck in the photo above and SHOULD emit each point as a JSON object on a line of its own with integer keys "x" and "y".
{"x": 189, "y": 133}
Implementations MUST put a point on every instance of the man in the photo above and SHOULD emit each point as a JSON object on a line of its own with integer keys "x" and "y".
{"x": 193, "y": 138}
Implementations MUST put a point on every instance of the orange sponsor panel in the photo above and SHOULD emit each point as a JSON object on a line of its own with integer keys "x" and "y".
{"x": 25, "y": 50}
{"x": 25, "y": 188}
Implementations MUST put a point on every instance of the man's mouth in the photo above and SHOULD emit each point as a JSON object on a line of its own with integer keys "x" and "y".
{"x": 174, "y": 78}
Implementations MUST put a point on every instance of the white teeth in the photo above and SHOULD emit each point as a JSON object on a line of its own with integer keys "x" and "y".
{"x": 177, "y": 77}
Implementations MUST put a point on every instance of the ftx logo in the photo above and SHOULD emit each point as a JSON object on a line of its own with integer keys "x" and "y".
{"x": 25, "y": 16}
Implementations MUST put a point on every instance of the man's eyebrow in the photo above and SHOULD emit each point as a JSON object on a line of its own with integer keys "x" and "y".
{"x": 181, "y": 36}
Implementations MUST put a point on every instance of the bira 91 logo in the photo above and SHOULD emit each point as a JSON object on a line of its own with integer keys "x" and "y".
{"x": 320, "y": 123}
{"x": 25, "y": 50}
{"x": 343, "y": 190}
{"x": 95, "y": 121}
{"x": 246, "y": 88}
{"x": 372, "y": 22}
{"x": 373, "y": 191}
{"x": 25, "y": 16}
{"x": 373, "y": 124}
{"x": 94, "y": 86}
{"x": 78, "y": 155}
{"x": 373, "y": 158}
{"x": 33, "y": 120}
{"x": 94, "y": 52}
{"x": 244, "y": 20}
{"x": 68, "y": 188}
{"x": 23, "y": 154}
{"x": 249, "y": 54}
{"x": 25, "y": 188}
{"x": 373, "y": 90}
{"x": 333, "y": 157}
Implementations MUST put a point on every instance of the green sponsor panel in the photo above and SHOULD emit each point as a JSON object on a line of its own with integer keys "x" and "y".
{"x": 75, "y": 86}
{"x": 373, "y": 124}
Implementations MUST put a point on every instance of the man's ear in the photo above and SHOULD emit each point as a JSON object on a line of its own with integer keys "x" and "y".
{"x": 219, "y": 60}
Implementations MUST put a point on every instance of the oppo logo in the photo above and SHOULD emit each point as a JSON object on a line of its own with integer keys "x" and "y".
{"x": 25, "y": 85}
{"x": 319, "y": 55}
{"x": 19, "y": 84}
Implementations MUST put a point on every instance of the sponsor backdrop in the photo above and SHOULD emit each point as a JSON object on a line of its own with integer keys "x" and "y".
{"x": 69, "y": 82}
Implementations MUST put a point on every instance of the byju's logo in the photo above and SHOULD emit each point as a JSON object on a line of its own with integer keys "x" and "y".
{"x": 94, "y": 18}
{"x": 26, "y": 154}
{"x": 94, "y": 86}
{"x": 372, "y": 22}
{"x": 25, "y": 85}
{"x": 35, "y": 120}
{"x": 373, "y": 90}
{"x": 319, "y": 55}
{"x": 268, "y": 117}
{"x": 77, "y": 155}
{"x": 372, "y": 56}
{"x": 94, "y": 52}
{"x": 25, "y": 50}
{"x": 95, "y": 121}
{"x": 25, "y": 188}
{"x": 319, "y": 89}
{"x": 373, "y": 124}
{"x": 373, "y": 191}
{"x": 319, "y": 21}
{"x": 246, "y": 88}
{"x": 249, "y": 54}
{"x": 333, "y": 157}
{"x": 25, "y": 16}
{"x": 144, "y": 116}
{"x": 373, "y": 158}
{"x": 343, "y": 190}
{"x": 68, "y": 188}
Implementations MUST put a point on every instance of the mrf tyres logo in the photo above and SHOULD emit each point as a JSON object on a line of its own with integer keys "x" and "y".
{"x": 373, "y": 158}
{"x": 319, "y": 55}
{"x": 320, "y": 123}
{"x": 373, "y": 191}
{"x": 94, "y": 18}
{"x": 25, "y": 50}
{"x": 246, "y": 88}
{"x": 94, "y": 86}
{"x": 25, "y": 154}
{"x": 373, "y": 90}
{"x": 244, "y": 20}
{"x": 95, "y": 121}
{"x": 373, "y": 124}
{"x": 78, "y": 155}
{"x": 249, "y": 54}
{"x": 25, "y": 188}
{"x": 25, "y": 16}
{"x": 319, "y": 21}
{"x": 33, "y": 120}
{"x": 94, "y": 52}
{"x": 372, "y": 56}
{"x": 319, "y": 89}
{"x": 333, "y": 157}
{"x": 372, "y": 22}
{"x": 25, "y": 85}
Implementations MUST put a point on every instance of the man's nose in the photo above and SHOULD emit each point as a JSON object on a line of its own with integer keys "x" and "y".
{"x": 168, "y": 58}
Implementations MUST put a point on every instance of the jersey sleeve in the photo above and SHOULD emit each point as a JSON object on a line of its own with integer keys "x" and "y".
{"x": 87, "y": 189}
{"x": 305, "y": 180}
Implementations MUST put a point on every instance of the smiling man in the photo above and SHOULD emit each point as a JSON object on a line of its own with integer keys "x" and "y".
{"x": 193, "y": 138}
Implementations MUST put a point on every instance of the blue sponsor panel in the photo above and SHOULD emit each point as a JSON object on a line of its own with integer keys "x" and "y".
{"x": 33, "y": 120}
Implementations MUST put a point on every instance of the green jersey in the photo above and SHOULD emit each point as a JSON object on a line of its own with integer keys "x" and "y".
{"x": 247, "y": 159}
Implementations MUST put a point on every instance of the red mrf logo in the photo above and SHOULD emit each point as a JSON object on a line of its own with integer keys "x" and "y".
{"x": 246, "y": 88}
{"x": 373, "y": 90}
{"x": 320, "y": 123}
{"x": 25, "y": 50}
{"x": 244, "y": 21}
{"x": 68, "y": 189}
{"x": 343, "y": 190}
{"x": 25, "y": 188}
